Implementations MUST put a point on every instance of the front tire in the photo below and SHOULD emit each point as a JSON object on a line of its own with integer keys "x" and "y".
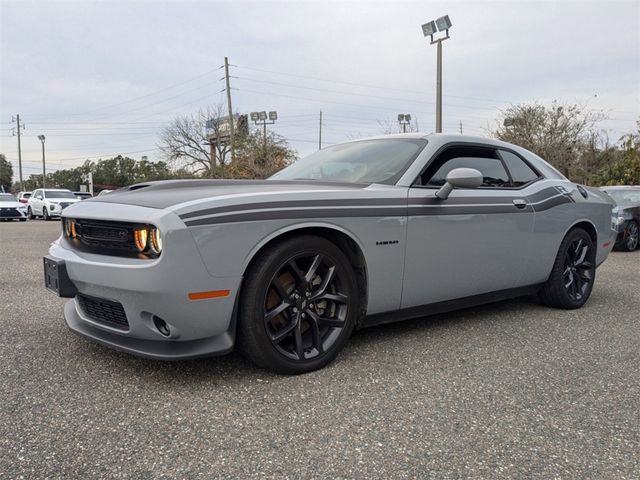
{"x": 630, "y": 237}
{"x": 298, "y": 307}
{"x": 45, "y": 214}
{"x": 30, "y": 214}
{"x": 574, "y": 270}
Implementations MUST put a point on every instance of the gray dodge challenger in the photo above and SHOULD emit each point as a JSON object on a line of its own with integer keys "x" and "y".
{"x": 357, "y": 234}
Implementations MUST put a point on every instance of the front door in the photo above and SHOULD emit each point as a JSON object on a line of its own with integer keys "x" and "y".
{"x": 474, "y": 242}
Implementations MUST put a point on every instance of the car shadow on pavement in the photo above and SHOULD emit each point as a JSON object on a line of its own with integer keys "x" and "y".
{"x": 233, "y": 367}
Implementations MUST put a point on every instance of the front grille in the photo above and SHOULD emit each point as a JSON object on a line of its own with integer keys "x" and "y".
{"x": 103, "y": 311}
{"x": 64, "y": 205}
{"x": 9, "y": 212}
{"x": 104, "y": 234}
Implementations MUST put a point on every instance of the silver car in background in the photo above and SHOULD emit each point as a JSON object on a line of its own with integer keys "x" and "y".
{"x": 362, "y": 233}
{"x": 11, "y": 208}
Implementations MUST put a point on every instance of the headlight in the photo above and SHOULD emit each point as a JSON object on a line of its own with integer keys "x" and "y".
{"x": 70, "y": 228}
{"x": 156, "y": 240}
{"x": 140, "y": 238}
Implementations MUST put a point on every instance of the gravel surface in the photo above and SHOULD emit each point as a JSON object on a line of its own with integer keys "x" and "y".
{"x": 509, "y": 390}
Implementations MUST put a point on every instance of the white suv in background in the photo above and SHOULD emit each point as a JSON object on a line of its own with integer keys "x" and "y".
{"x": 49, "y": 202}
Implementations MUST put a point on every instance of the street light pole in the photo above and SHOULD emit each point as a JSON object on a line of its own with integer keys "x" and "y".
{"x": 429, "y": 29}
{"x": 44, "y": 168}
{"x": 439, "y": 89}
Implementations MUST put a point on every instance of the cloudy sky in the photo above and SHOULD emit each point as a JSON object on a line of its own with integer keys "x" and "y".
{"x": 102, "y": 78}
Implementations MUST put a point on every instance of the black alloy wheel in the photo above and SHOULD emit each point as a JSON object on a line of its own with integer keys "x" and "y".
{"x": 631, "y": 236}
{"x": 305, "y": 307}
{"x": 298, "y": 307}
{"x": 578, "y": 268}
{"x": 572, "y": 277}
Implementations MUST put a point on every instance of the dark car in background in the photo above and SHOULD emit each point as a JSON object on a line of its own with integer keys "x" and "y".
{"x": 83, "y": 195}
{"x": 626, "y": 215}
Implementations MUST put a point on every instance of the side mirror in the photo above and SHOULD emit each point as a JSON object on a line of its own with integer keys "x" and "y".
{"x": 460, "y": 178}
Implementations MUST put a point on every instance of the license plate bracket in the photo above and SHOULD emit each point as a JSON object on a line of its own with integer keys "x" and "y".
{"x": 56, "y": 278}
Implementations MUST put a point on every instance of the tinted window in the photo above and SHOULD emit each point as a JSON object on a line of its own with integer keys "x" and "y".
{"x": 492, "y": 170}
{"x": 59, "y": 194}
{"x": 521, "y": 173}
{"x": 6, "y": 197}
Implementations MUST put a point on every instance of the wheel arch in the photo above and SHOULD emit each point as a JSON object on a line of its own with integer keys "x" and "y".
{"x": 586, "y": 225}
{"x": 348, "y": 243}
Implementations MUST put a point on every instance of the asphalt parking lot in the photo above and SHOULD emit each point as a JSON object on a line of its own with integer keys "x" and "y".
{"x": 509, "y": 390}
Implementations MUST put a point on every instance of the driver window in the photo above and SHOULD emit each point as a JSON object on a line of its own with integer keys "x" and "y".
{"x": 485, "y": 160}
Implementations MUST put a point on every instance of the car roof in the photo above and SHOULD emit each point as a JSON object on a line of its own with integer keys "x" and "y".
{"x": 441, "y": 138}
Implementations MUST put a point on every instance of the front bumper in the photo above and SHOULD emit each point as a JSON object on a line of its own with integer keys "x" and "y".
{"x": 149, "y": 289}
{"x": 12, "y": 214}
{"x": 154, "y": 349}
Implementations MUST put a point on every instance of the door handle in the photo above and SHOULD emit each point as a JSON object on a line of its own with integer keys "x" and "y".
{"x": 520, "y": 203}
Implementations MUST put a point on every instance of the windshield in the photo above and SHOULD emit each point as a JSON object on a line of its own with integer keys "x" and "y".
{"x": 7, "y": 197}
{"x": 59, "y": 194}
{"x": 365, "y": 161}
{"x": 623, "y": 197}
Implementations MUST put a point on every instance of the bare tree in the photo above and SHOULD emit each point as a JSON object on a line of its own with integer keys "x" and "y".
{"x": 558, "y": 133}
{"x": 195, "y": 141}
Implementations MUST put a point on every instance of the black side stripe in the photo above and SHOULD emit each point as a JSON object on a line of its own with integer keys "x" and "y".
{"x": 376, "y": 207}
{"x": 351, "y": 203}
{"x": 301, "y": 214}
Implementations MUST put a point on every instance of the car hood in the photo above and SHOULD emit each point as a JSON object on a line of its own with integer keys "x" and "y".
{"x": 11, "y": 204}
{"x": 174, "y": 194}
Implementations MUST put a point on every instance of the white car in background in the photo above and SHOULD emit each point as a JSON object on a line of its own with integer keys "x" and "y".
{"x": 11, "y": 209}
{"x": 49, "y": 202}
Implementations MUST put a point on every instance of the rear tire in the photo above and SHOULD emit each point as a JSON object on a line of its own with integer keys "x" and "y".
{"x": 298, "y": 307}
{"x": 574, "y": 270}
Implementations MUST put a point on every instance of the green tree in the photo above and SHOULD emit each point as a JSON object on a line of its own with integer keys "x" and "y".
{"x": 257, "y": 157}
{"x": 107, "y": 174}
{"x": 626, "y": 169}
{"x": 6, "y": 173}
{"x": 558, "y": 133}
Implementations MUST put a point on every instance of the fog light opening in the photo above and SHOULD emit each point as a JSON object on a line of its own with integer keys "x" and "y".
{"x": 161, "y": 326}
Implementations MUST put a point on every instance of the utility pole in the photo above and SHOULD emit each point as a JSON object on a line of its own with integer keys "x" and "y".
{"x": 228, "y": 88}
{"x": 44, "y": 168}
{"x": 320, "y": 133}
{"x": 19, "y": 150}
{"x": 90, "y": 177}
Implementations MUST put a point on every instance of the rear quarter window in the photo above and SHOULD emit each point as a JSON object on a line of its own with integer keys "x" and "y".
{"x": 521, "y": 172}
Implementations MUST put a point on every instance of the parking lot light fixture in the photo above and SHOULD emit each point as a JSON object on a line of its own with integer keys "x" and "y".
{"x": 442, "y": 24}
{"x": 404, "y": 119}
{"x": 260, "y": 118}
